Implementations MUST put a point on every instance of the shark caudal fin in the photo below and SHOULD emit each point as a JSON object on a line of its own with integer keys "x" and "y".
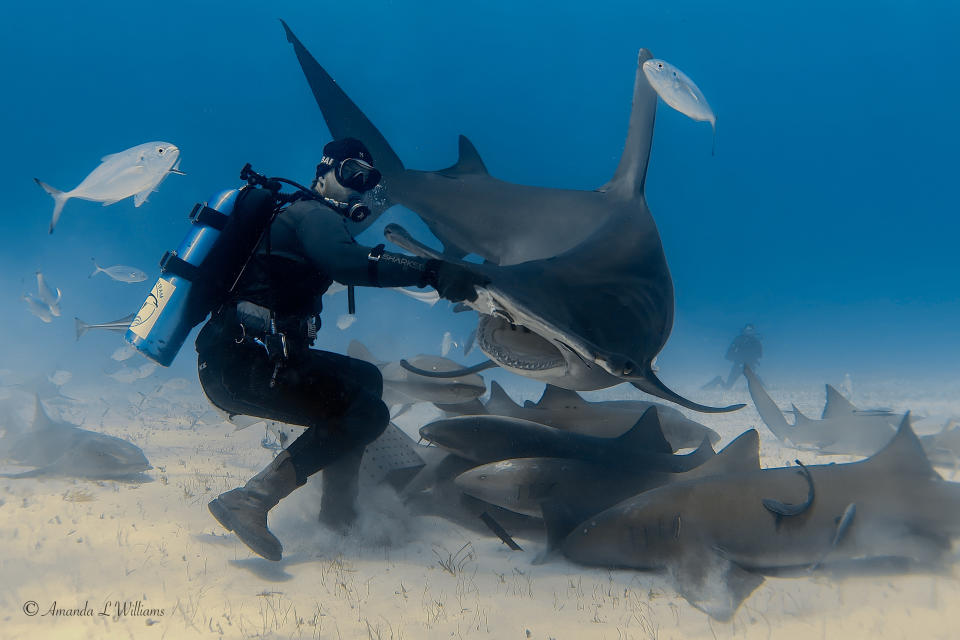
{"x": 769, "y": 411}
{"x": 631, "y": 174}
{"x": 650, "y": 383}
{"x": 59, "y": 199}
{"x": 343, "y": 117}
{"x": 82, "y": 327}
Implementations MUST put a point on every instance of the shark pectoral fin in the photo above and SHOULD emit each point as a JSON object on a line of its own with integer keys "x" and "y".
{"x": 712, "y": 583}
{"x": 559, "y": 519}
{"x": 778, "y": 508}
{"x": 648, "y": 382}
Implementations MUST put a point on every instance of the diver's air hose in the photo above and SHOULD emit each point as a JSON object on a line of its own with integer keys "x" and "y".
{"x": 487, "y": 364}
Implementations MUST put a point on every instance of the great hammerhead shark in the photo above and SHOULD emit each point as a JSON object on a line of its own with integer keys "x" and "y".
{"x": 580, "y": 295}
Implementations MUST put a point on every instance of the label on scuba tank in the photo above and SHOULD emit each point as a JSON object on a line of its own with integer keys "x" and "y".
{"x": 152, "y": 308}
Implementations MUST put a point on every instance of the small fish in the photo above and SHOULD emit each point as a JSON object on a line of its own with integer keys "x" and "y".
{"x": 120, "y": 325}
{"x": 427, "y": 297}
{"x": 136, "y": 172}
{"x": 120, "y": 272}
{"x": 38, "y": 307}
{"x": 680, "y": 92}
{"x": 122, "y": 353}
{"x": 46, "y": 294}
{"x": 60, "y": 377}
{"x": 346, "y": 320}
{"x": 125, "y": 374}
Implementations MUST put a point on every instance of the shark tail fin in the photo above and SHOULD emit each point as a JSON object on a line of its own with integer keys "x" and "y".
{"x": 59, "y": 199}
{"x": 769, "y": 411}
{"x": 631, "y": 174}
{"x": 650, "y": 383}
{"x": 343, "y": 117}
{"x": 82, "y": 327}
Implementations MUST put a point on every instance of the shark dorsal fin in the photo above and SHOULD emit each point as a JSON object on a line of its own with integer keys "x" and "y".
{"x": 41, "y": 420}
{"x": 469, "y": 161}
{"x": 500, "y": 403}
{"x": 628, "y": 181}
{"x": 799, "y": 415}
{"x": 645, "y": 435}
{"x": 358, "y": 350}
{"x": 743, "y": 454}
{"x": 904, "y": 454}
{"x": 557, "y": 398}
{"x": 837, "y": 405}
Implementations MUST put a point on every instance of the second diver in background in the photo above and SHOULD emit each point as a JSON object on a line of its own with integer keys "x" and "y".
{"x": 745, "y": 350}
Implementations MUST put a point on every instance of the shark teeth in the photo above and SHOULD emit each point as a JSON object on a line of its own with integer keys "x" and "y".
{"x": 516, "y": 347}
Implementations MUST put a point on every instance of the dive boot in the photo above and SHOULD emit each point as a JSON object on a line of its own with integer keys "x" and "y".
{"x": 244, "y": 510}
{"x": 340, "y": 488}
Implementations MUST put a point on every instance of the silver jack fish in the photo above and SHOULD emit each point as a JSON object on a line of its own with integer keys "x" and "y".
{"x": 134, "y": 172}
{"x": 46, "y": 295}
{"x": 679, "y": 91}
{"x": 120, "y": 272}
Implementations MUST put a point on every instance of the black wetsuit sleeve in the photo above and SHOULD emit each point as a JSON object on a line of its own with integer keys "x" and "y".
{"x": 327, "y": 244}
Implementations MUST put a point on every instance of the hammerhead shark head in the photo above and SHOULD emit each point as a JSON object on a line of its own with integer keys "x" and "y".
{"x": 718, "y": 535}
{"x": 580, "y": 294}
{"x": 842, "y": 428}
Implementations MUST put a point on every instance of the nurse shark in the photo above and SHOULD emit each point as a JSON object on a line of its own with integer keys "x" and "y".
{"x": 580, "y": 295}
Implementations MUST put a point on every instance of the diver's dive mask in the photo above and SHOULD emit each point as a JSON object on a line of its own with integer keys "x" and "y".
{"x": 352, "y": 173}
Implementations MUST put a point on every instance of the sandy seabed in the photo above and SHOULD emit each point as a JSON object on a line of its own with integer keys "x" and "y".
{"x": 108, "y": 559}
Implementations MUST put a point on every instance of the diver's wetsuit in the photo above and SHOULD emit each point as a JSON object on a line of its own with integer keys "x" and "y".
{"x": 338, "y": 398}
{"x": 745, "y": 350}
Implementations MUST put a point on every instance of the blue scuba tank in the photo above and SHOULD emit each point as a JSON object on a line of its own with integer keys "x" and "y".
{"x": 170, "y": 311}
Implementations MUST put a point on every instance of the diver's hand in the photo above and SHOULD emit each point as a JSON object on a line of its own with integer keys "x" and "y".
{"x": 453, "y": 282}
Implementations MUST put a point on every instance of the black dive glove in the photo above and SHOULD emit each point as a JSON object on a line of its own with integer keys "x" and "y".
{"x": 453, "y": 282}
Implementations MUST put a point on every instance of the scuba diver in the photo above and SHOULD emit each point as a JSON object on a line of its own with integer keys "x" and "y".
{"x": 745, "y": 350}
{"x": 254, "y": 353}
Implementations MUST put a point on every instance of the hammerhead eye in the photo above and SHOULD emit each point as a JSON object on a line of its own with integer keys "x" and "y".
{"x": 483, "y": 477}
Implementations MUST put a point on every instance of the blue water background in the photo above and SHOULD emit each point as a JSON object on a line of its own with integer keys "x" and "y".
{"x": 828, "y": 216}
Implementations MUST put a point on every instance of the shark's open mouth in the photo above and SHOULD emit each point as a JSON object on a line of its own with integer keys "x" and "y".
{"x": 516, "y": 346}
